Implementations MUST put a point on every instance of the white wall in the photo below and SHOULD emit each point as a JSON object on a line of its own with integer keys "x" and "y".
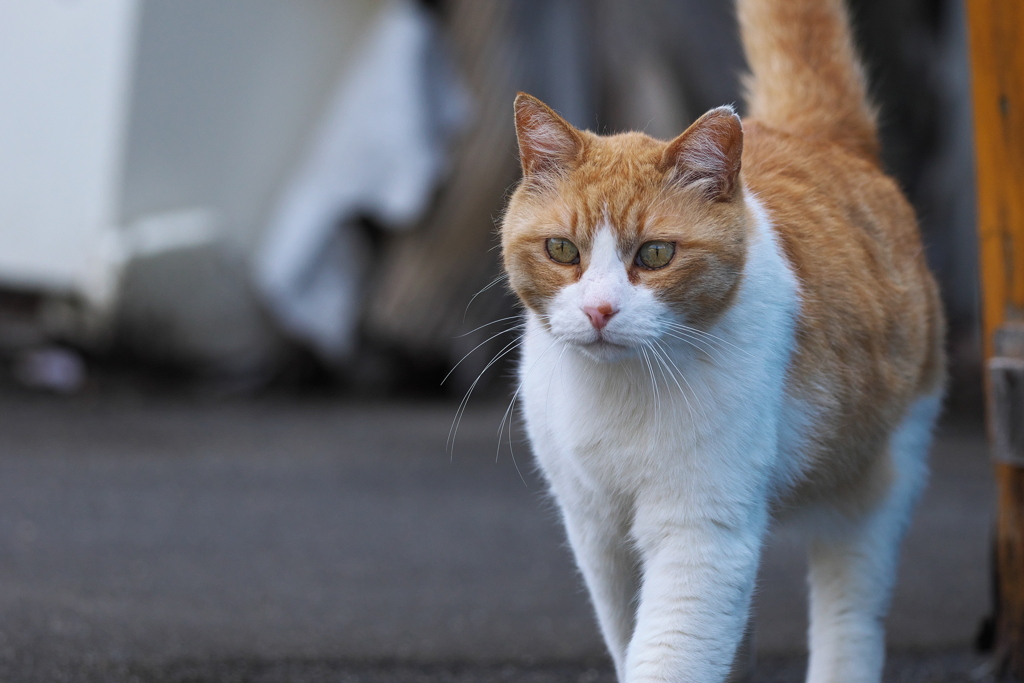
{"x": 225, "y": 96}
{"x": 142, "y": 144}
{"x": 225, "y": 93}
{"x": 64, "y": 74}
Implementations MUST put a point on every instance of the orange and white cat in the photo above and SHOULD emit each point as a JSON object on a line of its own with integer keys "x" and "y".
{"x": 731, "y": 327}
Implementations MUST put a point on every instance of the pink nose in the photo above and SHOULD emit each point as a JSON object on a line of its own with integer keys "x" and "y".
{"x": 600, "y": 315}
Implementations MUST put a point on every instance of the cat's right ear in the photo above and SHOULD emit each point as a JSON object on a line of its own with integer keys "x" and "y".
{"x": 708, "y": 154}
{"x": 547, "y": 142}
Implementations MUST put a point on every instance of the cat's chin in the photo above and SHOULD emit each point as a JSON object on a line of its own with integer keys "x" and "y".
{"x": 606, "y": 351}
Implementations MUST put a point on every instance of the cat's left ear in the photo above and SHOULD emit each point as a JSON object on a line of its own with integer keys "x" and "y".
{"x": 709, "y": 153}
{"x": 547, "y": 142}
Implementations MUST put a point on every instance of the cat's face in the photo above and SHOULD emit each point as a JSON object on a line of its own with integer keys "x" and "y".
{"x": 614, "y": 241}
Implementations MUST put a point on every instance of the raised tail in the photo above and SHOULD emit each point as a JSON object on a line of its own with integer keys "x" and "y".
{"x": 805, "y": 77}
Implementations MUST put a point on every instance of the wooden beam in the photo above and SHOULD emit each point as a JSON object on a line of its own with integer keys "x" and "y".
{"x": 996, "y": 32}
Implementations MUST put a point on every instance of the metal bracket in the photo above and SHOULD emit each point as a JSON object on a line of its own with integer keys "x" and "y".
{"x": 1006, "y": 382}
{"x": 1006, "y": 405}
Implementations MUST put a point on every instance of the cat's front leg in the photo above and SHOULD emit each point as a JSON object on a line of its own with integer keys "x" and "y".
{"x": 600, "y": 542}
{"x": 699, "y": 571}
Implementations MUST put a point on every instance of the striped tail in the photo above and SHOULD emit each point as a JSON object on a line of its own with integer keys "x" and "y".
{"x": 805, "y": 77}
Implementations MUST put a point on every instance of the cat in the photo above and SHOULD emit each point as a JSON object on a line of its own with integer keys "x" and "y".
{"x": 733, "y": 327}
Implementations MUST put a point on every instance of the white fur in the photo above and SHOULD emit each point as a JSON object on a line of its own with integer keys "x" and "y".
{"x": 665, "y": 468}
{"x": 605, "y": 281}
{"x": 853, "y": 565}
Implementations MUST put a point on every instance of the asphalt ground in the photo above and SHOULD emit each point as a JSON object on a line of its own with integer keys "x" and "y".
{"x": 175, "y": 539}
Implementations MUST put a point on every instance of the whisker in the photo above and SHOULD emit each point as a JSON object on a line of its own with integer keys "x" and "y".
{"x": 654, "y": 382}
{"x": 706, "y": 340}
{"x": 493, "y": 282}
{"x": 695, "y": 342}
{"x": 493, "y": 336}
{"x": 696, "y": 334}
{"x": 708, "y": 335}
{"x": 510, "y": 410}
{"x": 461, "y": 410}
{"x": 682, "y": 376}
{"x": 493, "y": 322}
{"x": 693, "y": 416}
{"x": 664, "y": 366}
{"x": 504, "y": 351}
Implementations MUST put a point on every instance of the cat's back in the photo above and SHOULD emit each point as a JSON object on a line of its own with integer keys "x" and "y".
{"x": 869, "y": 332}
{"x": 848, "y": 232}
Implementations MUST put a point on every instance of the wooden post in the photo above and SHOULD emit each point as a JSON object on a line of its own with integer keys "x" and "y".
{"x": 996, "y": 33}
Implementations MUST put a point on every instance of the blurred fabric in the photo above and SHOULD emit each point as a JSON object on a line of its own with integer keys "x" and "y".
{"x": 379, "y": 154}
{"x": 324, "y": 179}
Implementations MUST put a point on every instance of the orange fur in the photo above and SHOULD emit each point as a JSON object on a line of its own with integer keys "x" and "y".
{"x": 625, "y": 180}
{"x": 870, "y": 329}
{"x": 805, "y": 78}
{"x": 784, "y": 230}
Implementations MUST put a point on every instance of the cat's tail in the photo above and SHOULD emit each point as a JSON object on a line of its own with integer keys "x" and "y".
{"x": 805, "y": 77}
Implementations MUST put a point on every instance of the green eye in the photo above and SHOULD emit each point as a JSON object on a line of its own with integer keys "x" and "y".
{"x": 655, "y": 255}
{"x": 562, "y": 251}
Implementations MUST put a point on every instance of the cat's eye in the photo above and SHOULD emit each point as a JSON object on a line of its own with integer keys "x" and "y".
{"x": 655, "y": 254}
{"x": 562, "y": 250}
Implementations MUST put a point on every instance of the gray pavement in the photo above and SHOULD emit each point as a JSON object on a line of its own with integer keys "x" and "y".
{"x": 275, "y": 540}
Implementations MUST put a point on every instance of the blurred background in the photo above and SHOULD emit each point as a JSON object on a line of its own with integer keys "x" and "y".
{"x": 243, "y": 243}
{"x": 254, "y": 191}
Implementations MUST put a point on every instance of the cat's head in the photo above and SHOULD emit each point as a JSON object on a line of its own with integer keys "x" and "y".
{"x": 613, "y": 240}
